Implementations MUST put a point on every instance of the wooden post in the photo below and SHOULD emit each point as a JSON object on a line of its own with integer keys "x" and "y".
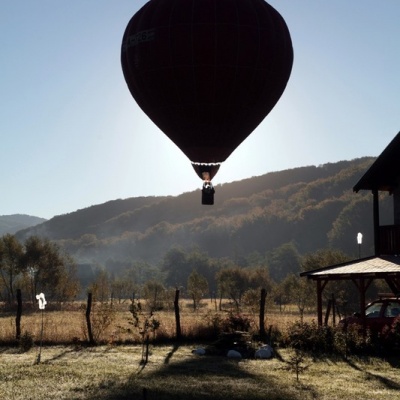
{"x": 320, "y": 288}
{"x": 262, "y": 313}
{"x": 177, "y": 315}
{"x": 319, "y": 302}
{"x": 147, "y": 349}
{"x": 88, "y": 322}
{"x": 19, "y": 314}
{"x": 377, "y": 239}
{"x": 362, "y": 290}
{"x": 328, "y": 311}
{"x": 333, "y": 309}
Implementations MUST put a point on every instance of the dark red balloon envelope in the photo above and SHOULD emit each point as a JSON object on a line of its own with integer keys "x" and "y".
{"x": 207, "y": 72}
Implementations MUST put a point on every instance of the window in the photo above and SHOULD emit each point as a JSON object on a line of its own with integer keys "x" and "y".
{"x": 392, "y": 310}
{"x": 373, "y": 310}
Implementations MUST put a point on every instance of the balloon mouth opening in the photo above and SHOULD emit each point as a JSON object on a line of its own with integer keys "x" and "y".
{"x": 206, "y": 171}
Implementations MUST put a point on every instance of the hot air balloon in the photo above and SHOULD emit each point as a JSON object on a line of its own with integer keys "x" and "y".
{"x": 207, "y": 72}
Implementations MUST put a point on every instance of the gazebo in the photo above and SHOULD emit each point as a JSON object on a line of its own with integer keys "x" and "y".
{"x": 383, "y": 175}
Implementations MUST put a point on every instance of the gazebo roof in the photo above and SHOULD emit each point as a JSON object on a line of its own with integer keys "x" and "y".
{"x": 371, "y": 267}
{"x": 361, "y": 272}
{"x": 384, "y": 172}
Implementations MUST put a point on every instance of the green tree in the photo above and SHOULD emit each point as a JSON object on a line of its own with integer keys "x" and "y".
{"x": 352, "y": 220}
{"x": 154, "y": 294}
{"x": 322, "y": 258}
{"x": 259, "y": 278}
{"x": 101, "y": 287}
{"x": 178, "y": 265}
{"x": 233, "y": 282}
{"x": 122, "y": 288}
{"x": 281, "y": 294}
{"x": 299, "y": 291}
{"x": 50, "y": 269}
{"x": 283, "y": 261}
{"x": 11, "y": 266}
{"x": 345, "y": 294}
{"x": 67, "y": 287}
{"x": 197, "y": 287}
{"x": 32, "y": 262}
{"x": 175, "y": 266}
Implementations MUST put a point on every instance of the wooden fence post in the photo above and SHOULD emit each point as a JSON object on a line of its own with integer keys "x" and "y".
{"x": 19, "y": 314}
{"x": 262, "y": 313}
{"x": 177, "y": 315}
{"x": 88, "y": 322}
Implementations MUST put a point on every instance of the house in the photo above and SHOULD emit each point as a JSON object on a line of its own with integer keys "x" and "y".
{"x": 382, "y": 176}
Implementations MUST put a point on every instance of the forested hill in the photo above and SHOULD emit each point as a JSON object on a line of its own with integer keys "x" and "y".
{"x": 15, "y": 222}
{"x": 310, "y": 207}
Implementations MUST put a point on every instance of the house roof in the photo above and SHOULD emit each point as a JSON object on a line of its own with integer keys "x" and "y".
{"x": 383, "y": 175}
{"x": 370, "y": 267}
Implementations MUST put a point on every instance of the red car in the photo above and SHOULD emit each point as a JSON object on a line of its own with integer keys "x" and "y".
{"x": 378, "y": 314}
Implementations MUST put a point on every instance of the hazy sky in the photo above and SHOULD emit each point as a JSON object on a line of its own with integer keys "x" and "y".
{"x": 72, "y": 135}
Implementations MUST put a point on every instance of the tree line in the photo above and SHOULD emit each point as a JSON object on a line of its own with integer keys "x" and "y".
{"x": 39, "y": 265}
{"x": 198, "y": 276}
{"x": 34, "y": 266}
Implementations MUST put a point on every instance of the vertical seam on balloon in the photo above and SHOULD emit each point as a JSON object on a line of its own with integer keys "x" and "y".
{"x": 216, "y": 43}
{"x": 237, "y": 61}
{"x": 172, "y": 63}
{"x": 142, "y": 97}
{"x": 152, "y": 16}
{"x": 271, "y": 31}
{"x": 259, "y": 40}
{"x": 195, "y": 101}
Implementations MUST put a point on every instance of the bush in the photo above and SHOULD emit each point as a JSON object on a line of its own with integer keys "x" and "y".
{"x": 309, "y": 337}
{"x": 317, "y": 339}
{"x": 351, "y": 341}
{"x": 214, "y": 323}
{"x": 102, "y": 317}
{"x": 236, "y": 322}
{"x": 391, "y": 335}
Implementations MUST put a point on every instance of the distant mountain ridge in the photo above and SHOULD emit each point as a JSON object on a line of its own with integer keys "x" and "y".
{"x": 311, "y": 206}
{"x": 15, "y": 222}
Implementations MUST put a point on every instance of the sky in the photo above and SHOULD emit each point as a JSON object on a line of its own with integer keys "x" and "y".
{"x": 72, "y": 136}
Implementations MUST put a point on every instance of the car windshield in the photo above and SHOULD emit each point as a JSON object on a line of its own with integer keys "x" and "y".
{"x": 373, "y": 310}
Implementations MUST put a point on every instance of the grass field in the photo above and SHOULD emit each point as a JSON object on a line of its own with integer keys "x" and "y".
{"x": 69, "y": 326}
{"x": 69, "y": 369}
{"x": 115, "y": 373}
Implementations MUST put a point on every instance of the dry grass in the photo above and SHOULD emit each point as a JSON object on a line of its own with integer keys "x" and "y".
{"x": 115, "y": 373}
{"x": 66, "y": 327}
{"x": 110, "y": 372}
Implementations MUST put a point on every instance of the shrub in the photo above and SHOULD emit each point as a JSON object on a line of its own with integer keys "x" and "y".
{"x": 317, "y": 339}
{"x": 102, "y": 316}
{"x": 391, "y": 335}
{"x": 351, "y": 340}
{"x": 310, "y": 337}
{"x": 214, "y": 323}
{"x": 236, "y": 322}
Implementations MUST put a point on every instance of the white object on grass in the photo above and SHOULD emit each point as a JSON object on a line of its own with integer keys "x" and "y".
{"x": 42, "y": 301}
{"x": 234, "y": 354}
{"x": 264, "y": 352}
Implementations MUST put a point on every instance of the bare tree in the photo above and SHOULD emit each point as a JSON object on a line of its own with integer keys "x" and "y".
{"x": 197, "y": 287}
{"x": 233, "y": 282}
